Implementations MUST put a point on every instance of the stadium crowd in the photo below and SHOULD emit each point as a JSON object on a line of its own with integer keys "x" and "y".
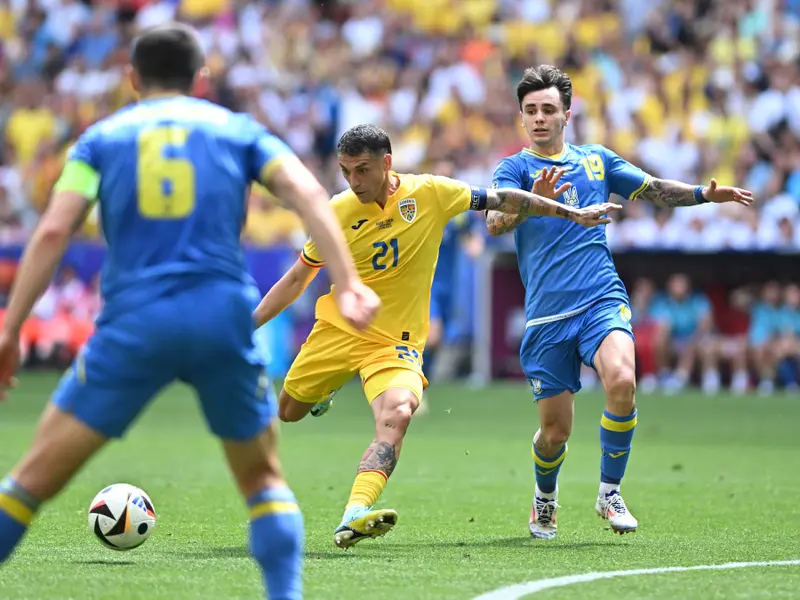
{"x": 688, "y": 89}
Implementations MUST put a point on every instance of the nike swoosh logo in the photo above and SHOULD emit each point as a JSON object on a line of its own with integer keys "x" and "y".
{"x": 545, "y": 472}
{"x": 617, "y": 454}
{"x": 358, "y": 225}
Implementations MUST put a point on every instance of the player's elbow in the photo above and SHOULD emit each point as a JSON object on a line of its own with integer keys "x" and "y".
{"x": 54, "y": 231}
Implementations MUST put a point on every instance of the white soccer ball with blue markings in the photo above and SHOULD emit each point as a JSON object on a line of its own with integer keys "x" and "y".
{"x": 122, "y": 517}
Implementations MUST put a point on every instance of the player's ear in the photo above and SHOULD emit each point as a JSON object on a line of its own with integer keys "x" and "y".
{"x": 567, "y": 117}
{"x": 133, "y": 77}
{"x": 200, "y": 85}
{"x": 387, "y": 162}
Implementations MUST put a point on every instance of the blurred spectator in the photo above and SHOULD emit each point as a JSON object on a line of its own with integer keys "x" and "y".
{"x": 646, "y": 331}
{"x": 685, "y": 336}
{"x": 765, "y": 329}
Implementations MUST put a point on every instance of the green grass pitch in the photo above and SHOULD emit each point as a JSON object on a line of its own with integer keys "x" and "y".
{"x": 711, "y": 480}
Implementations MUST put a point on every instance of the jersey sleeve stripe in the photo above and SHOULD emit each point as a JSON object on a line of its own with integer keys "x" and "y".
{"x": 310, "y": 261}
{"x": 640, "y": 189}
{"x": 268, "y": 170}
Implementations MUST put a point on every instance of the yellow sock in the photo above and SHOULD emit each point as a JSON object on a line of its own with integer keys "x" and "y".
{"x": 367, "y": 488}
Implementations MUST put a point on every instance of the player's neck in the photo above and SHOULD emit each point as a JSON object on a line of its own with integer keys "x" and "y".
{"x": 553, "y": 149}
{"x": 390, "y": 187}
{"x": 155, "y": 94}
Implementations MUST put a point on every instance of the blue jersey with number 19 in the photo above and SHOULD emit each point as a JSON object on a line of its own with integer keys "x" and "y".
{"x": 171, "y": 176}
{"x": 174, "y": 174}
{"x": 566, "y": 267}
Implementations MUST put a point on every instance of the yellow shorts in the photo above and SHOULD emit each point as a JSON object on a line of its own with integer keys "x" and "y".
{"x": 331, "y": 357}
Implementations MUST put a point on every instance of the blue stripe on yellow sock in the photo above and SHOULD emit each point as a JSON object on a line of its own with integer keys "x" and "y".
{"x": 616, "y": 438}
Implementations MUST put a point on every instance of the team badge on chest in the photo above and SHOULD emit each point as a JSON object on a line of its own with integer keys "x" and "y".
{"x": 408, "y": 209}
{"x": 571, "y": 197}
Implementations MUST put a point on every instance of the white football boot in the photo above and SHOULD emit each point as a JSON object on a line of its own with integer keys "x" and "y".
{"x": 542, "y": 524}
{"x": 611, "y": 507}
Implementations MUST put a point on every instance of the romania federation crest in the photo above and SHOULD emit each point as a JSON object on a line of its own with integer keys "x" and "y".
{"x": 408, "y": 209}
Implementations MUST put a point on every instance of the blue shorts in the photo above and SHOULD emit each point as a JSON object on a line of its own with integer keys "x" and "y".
{"x": 551, "y": 353}
{"x": 202, "y": 336}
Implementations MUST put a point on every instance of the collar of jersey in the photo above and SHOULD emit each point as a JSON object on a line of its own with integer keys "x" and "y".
{"x": 555, "y": 157}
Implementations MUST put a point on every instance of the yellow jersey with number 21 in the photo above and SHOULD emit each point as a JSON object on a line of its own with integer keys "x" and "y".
{"x": 395, "y": 250}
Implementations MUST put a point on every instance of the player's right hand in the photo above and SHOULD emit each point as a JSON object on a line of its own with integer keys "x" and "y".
{"x": 545, "y": 184}
{"x": 9, "y": 361}
{"x": 591, "y": 216}
{"x": 357, "y": 303}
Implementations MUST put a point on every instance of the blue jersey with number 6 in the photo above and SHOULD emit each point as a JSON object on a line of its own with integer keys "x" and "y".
{"x": 174, "y": 176}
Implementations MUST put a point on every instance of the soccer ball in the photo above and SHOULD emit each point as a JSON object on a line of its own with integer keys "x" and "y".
{"x": 122, "y": 517}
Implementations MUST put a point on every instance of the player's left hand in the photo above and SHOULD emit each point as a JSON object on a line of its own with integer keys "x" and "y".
{"x": 545, "y": 184}
{"x": 357, "y": 303}
{"x": 591, "y": 216}
{"x": 9, "y": 361}
{"x": 724, "y": 193}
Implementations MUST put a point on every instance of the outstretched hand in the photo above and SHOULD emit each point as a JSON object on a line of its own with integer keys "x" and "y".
{"x": 545, "y": 184}
{"x": 724, "y": 193}
{"x": 597, "y": 214}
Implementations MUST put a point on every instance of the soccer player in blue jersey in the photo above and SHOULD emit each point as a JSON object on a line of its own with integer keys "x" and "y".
{"x": 171, "y": 175}
{"x": 577, "y": 307}
{"x": 460, "y": 235}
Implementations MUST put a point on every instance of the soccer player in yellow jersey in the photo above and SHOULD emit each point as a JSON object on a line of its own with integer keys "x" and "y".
{"x": 393, "y": 224}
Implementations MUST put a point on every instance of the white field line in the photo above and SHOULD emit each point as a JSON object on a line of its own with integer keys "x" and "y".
{"x": 520, "y": 590}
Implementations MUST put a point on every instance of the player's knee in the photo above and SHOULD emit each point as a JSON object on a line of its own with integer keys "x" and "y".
{"x": 620, "y": 387}
{"x": 290, "y": 410}
{"x": 398, "y": 406}
{"x": 554, "y": 435}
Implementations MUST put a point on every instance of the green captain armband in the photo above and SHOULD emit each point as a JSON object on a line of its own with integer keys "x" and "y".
{"x": 78, "y": 177}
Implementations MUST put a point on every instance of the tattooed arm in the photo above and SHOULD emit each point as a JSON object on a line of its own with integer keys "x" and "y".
{"x": 514, "y": 205}
{"x": 499, "y": 223}
{"x": 668, "y": 193}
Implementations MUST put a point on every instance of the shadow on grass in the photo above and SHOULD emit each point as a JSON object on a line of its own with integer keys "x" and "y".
{"x": 226, "y": 552}
{"x": 514, "y": 542}
{"x": 104, "y": 563}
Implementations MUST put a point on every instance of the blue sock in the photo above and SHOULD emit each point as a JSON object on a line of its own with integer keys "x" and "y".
{"x": 17, "y": 508}
{"x": 547, "y": 468}
{"x": 276, "y": 541}
{"x": 616, "y": 437}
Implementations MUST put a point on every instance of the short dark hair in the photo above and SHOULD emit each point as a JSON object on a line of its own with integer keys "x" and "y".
{"x": 364, "y": 138}
{"x": 167, "y": 57}
{"x": 543, "y": 77}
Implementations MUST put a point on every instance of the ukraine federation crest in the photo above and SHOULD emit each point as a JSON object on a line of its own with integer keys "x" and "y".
{"x": 625, "y": 313}
{"x": 408, "y": 209}
{"x": 571, "y": 197}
